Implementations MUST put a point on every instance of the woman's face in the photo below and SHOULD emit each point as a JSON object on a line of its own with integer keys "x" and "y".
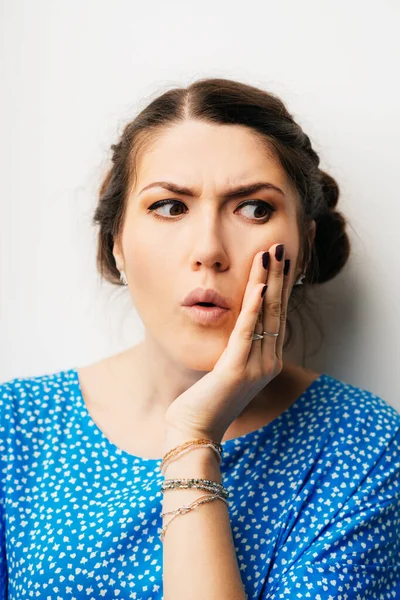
{"x": 205, "y": 240}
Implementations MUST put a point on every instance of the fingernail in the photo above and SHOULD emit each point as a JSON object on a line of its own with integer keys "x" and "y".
{"x": 265, "y": 260}
{"x": 264, "y": 290}
{"x": 286, "y": 268}
{"x": 279, "y": 252}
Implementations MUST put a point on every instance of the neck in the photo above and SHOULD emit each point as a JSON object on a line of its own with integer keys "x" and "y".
{"x": 150, "y": 380}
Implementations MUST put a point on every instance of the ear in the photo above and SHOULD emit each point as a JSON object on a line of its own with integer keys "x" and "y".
{"x": 118, "y": 255}
{"x": 311, "y": 237}
{"x": 311, "y": 233}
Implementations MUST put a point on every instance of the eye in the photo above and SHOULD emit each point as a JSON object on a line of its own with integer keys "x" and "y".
{"x": 260, "y": 204}
{"x": 161, "y": 203}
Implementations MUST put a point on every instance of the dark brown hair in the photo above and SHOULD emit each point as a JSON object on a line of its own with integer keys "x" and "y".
{"x": 223, "y": 101}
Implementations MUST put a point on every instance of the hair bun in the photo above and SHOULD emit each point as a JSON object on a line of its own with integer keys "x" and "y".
{"x": 330, "y": 190}
{"x": 332, "y": 244}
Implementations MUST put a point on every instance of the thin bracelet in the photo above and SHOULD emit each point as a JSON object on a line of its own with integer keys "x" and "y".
{"x": 184, "y": 451}
{"x": 185, "y": 507}
{"x": 192, "y": 506}
{"x": 190, "y": 443}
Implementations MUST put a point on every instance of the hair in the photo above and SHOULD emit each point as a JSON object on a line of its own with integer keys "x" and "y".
{"x": 227, "y": 102}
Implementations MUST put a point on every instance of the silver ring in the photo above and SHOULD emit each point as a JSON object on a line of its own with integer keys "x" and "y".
{"x": 259, "y": 336}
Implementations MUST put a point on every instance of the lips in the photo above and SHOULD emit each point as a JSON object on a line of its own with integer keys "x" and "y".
{"x": 208, "y": 296}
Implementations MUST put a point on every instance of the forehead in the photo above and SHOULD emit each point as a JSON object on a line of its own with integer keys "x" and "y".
{"x": 202, "y": 154}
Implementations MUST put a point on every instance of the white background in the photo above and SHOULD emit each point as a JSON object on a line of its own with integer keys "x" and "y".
{"x": 74, "y": 72}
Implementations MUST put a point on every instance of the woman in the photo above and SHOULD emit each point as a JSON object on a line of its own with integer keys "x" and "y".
{"x": 297, "y": 473}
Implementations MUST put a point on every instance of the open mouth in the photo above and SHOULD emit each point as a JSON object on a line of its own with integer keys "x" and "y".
{"x": 206, "y": 313}
{"x": 205, "y": 304}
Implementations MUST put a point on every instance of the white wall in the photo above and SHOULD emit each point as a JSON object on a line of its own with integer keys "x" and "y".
{"x": 74, "y": 72}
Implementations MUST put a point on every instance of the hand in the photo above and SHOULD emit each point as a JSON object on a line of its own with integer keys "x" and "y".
{"x": 245, "y": 367}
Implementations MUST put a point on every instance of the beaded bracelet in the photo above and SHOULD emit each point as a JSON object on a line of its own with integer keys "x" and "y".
{"x": 201, "y": 484}
{"x": 187, "y": 508}
{"x": 175, "y": 452}
{"x": 185, "y": 451}
{"x": 219, "y": 491}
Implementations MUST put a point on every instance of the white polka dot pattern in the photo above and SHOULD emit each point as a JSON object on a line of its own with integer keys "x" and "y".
{"x": 314, "y": 499}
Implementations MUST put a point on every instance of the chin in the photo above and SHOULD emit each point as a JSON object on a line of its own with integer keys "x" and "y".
{"x": 200, "y": 358}
{"x": 205, "y": 365}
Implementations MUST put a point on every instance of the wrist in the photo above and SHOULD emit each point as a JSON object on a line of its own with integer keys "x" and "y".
{"x": 174, "y": 437}
{"x": 198, "y": 462}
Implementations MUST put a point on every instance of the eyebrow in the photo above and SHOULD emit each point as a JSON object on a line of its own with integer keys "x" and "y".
{"x": 237, "y": 192}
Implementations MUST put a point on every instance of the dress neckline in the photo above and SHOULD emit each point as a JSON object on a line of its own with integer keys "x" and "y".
{"x": 227, "y": 445}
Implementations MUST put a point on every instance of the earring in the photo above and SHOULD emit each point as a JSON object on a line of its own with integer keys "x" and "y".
{"x": 123, "y": 278}
{"x": 300, "y": 280}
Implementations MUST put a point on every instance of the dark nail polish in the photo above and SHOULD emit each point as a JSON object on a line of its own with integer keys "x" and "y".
{"x": 264, "y": 290}
{"x": 279, "y": 252}
{"x": 265, "y": 260}
{"x": 286, "y": 268}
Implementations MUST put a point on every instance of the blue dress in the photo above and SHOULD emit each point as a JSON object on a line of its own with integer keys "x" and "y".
{"x": 314, "y": 499}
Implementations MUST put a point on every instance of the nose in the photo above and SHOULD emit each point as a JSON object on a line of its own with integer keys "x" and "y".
{"x": 209, "y": 248}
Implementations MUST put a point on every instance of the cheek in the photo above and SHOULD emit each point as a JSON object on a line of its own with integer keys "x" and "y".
{"x": 148, "y": 270}
{"x": 290, "y": 237}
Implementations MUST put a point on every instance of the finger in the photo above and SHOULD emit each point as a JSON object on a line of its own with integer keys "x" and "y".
{"x": 240, "y": 341}
{"x": 272, "y": 305}
{"x": 255, "y": 356}
{"x": 258, "y": 274}
{"x": 285, "y": 301}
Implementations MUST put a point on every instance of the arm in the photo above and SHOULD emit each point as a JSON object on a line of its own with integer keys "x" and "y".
{"x": 199, "y": 553}
{"x": 199, "y": 559}
{"x": 333, "y": 573}
{"x": 356, "y": 555}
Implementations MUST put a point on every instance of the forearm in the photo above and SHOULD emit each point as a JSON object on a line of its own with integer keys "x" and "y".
{"x": 199, "y": 559}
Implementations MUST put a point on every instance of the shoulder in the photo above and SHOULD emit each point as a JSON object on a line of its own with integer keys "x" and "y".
{"x": 337, "y": 403}
{"x": 356, "y": 434}
{"x": 34, "y": 385}
{"x": 30, "y": 410}
{"x": 344, "y": 518}
{"x": 347, "y": 428}
{"x": 352, "y": 407}
{"x": 27, "y": 398}
{"x": 344, "y": 405}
